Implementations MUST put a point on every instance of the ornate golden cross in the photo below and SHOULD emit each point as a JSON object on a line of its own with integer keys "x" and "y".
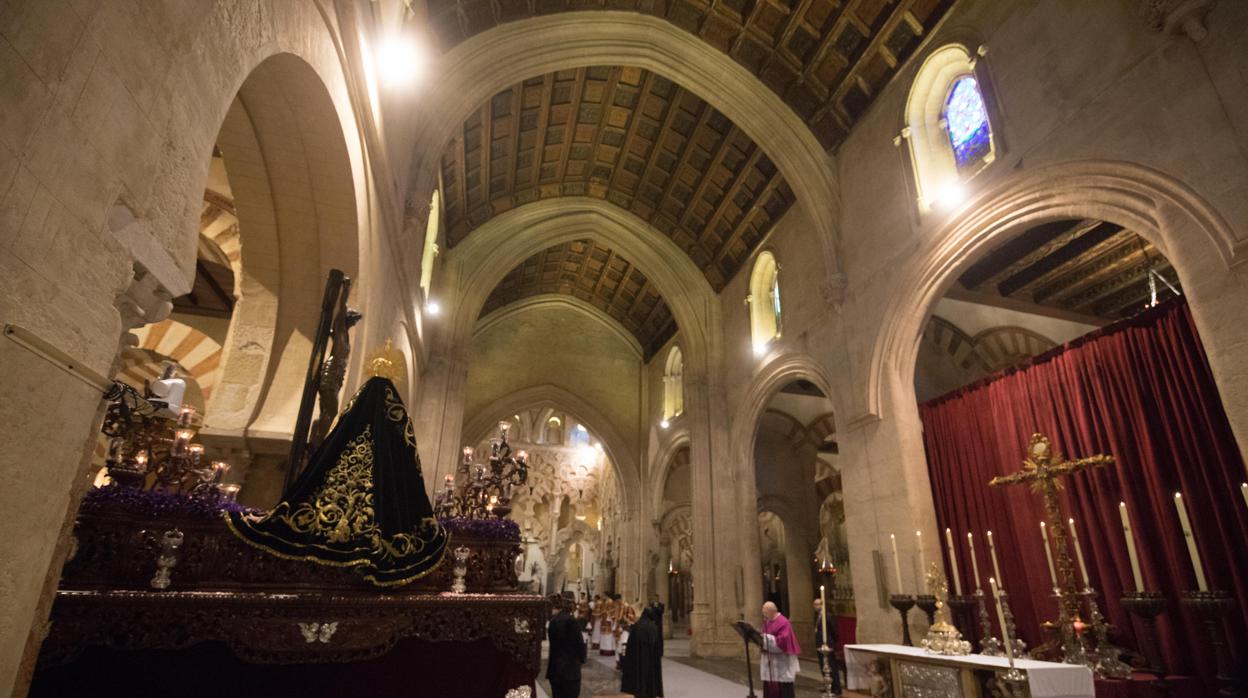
{"x": 1041, "y": 470}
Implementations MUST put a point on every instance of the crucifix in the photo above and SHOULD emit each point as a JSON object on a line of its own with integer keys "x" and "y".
{"x": 1041, "y": 470}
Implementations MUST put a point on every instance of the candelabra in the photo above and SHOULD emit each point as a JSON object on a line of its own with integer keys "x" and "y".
{"x": 927, "y": 604}
{"x": 1211, "y": 607}
{"x": 483, "y": 491}
{"x": 989, "y": 645}
{"x": 149, "y": 451}
{"x": 1147, "y": 605}
{"x": 903, "y": 603}
{"x": 1105, "y": 658}
{"x": 963, "y": 617}
{"x": 1010, "y": 631}
{"x": 827, "y": 666}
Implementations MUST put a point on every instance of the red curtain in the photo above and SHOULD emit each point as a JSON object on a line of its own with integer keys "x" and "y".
{"x": 1142, "y": 391}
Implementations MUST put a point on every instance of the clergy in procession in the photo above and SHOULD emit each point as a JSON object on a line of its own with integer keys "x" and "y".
{"x": 595, "y": 616}
{"x": 778, "y": 665}
{"x": 607, "y": 620}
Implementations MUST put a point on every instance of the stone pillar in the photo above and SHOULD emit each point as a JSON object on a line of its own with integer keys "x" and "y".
{"x": 662, "y": 584}
{"x": 798, "y": 554}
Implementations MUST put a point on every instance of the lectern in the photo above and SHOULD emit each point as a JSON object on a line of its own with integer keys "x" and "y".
{"x": 748, "y": 634}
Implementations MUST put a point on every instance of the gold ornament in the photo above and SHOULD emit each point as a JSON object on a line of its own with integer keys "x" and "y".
{"x": 387, "y": 362}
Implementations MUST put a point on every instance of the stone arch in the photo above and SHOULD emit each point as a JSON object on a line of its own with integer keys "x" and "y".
{"x": 194, "y": 351}
{"x": 667, "y": 459}
{"x": 616, "y": 446}
{"x": 1194, "y": 237}
{"x": 770, "y": 378}
{"x": 291, "y": 176}
{"x": 490, "y": 61}
{"x": 561, "y": 300}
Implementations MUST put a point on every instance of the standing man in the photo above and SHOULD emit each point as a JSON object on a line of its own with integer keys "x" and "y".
{"x": 832, "y": 667}
{"x": 567, "y": 651}
{"x": 778, "y": 664}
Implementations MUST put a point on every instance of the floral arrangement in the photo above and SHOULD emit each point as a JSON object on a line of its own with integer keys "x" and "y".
{"x": 153, "y": 504}
{"x": 487, "y": 529}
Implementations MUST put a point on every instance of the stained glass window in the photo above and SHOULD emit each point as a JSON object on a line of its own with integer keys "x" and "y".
{"x": 969, "y": 131}
{"x": 775, "y": 299}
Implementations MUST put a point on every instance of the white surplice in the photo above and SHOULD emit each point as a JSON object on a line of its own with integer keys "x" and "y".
{"x": 775, "y": 665}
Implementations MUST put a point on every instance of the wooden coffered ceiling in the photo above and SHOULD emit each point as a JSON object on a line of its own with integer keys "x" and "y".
{"x": 1088, "y": 267}
{"x": 630, "y": 137}
{"x": 827, "y": 59}
{"x": 595, "y": 274}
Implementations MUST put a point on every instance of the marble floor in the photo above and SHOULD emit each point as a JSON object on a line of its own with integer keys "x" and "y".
{"x": 685, "y": 677}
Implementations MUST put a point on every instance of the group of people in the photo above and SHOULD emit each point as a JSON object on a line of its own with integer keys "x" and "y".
{"x": 606, "y": 623}
{"x": 574, "y": 627}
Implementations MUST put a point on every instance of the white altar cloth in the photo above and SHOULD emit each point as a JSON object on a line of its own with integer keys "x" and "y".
{"x": 1045, "y": 679}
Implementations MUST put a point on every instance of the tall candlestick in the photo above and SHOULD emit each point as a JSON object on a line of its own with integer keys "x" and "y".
{"x": 1191, "y": 542}
{"x": 1083, "y": 569}
{"x": 1135, "y": 560}
{"x": 823, "y": 616}
{"x": 996, "y": 569}
{"x": 1005, "y": 629}
{"x": 896, "y": 561}
{"x": 918, "y": 542}
{"x": 953, "y": 562}
{"x": 970, "y": 543}
{"x": 1048, "y": 553}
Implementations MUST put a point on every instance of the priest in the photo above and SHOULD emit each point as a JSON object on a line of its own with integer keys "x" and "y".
{"x": 778, "y": 664}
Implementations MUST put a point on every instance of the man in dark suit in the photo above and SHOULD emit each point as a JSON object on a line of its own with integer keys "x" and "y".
{"x": 567, "y": 651}
{"x": 833, "y": 667}
{"x": 659, "y": 607}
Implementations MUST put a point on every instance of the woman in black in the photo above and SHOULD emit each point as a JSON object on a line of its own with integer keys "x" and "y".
{"x": 643, "y": 657}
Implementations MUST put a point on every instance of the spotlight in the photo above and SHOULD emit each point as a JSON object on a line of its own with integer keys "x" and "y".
{"x": 951, "y": 195}
{"x": 400, "y": 62}
{"x": 760, "y": 348}
{"x": 432, "y": 308}
{"x": 664, "y": 424}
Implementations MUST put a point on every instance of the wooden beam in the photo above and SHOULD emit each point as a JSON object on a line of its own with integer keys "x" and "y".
{"x": 543, "y": 122}
{"x": 755, "y": 207}
{"x": 487, "y": 142}
{"x": 673, "y": 106}
{"x": 607, "y": 96}
{"x": 1079, "y": 271}
{"x": 686, "y": 150}
{"x": 982, "y": 275}
{"x": 635, "y": 118}
{"x": 578, "y": 91}
{"x": 730, "y": 191}
{"x": 517, "y": 106}
{"x": 717, "y": 161}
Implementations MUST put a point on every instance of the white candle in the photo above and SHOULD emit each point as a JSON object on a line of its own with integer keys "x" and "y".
{"x": 970, "y": 543}
{"x": 1048, "y": 553}
{"x": 1243, "y": 489}
{"x": 1135, "y": 560}
{"x": 896, "y": 561}
{"x": 1191, "y": 542}
{"x": 1083, "y": 569}
{"x": 953, "y": 562}
{"x": 996, "y": 569}
{"x": 1005, "y": 629}
{"x": 823, "y": 615}
{"x": 918, "y": 542}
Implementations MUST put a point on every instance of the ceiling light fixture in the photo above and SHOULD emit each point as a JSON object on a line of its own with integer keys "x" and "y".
{"x": 400, "y": 62}
{"x": 432, "y": 308}
{"x": 951, "y": 195}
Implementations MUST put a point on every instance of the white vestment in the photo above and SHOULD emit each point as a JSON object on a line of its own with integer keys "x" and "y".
{"x": 775, "y": 665}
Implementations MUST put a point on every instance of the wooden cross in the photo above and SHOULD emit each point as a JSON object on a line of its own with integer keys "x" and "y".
{"x": 1041, "y": 470}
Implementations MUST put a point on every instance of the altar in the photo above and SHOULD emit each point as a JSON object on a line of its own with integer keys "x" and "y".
{"x": 902, "y": 671}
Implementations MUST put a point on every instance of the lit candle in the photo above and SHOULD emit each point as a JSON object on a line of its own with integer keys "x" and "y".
{"x": 1191, "y": 542}
{"x": 1243, "y": 489}
{"x": 1048, "y": 553}
{"x": 1005, "y": 629}
{"x": 1083, "y": 569}
{"x": 896, "y": 561}
{"x": 918, "y": 542}
{"x": 467, "y": 454}
{"x": 1135, "y": 560}
{"x": 970, "y": 543}
{"x": 996, "y": 569}
{"x": 953, "y": 562}
{"x": 184, "y": 417}
{"x": 140, "y": 459}
{"x": 823, "y": 615}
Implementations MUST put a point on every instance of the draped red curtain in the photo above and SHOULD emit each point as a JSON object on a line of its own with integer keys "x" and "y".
{"x": 1140, "y": 390}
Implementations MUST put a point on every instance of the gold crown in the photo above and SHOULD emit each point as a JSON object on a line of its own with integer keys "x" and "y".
{"x": 387, "y": 362}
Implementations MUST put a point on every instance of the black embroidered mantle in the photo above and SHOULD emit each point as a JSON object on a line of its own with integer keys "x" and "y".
{"x": 361, "y": 502}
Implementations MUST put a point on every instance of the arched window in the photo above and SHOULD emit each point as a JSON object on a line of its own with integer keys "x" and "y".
{"x": 948, "y": 126}
{"x": 431, "y": 242}
{"x": 764, "y": 300}
{"x": 673, "y": 384}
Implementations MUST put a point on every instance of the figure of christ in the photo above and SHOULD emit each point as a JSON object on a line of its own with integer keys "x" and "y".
{"x": 778, "y": 665}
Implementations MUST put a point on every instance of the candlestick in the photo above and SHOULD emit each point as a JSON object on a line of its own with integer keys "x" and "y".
{"x": 996, "y": 570}
{"x": 1048, "y": 553}
{"x": 1083, "y": 568}
{"x": 1005, "y": 630}
{"x": 918, "y": 543}
{"x": 1191, "y": 542}
{"x": 896, "y": 561}
{"x": 1135, "y": 560}
{"x": 823, "y": 616}
{"x": 953, "y": 563}
{"x": 970, "y": 543}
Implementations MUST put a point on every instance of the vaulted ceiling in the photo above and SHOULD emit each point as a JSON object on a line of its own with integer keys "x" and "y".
{"x": 598, "y": 275}
{"x": 630, "y": 137}
{"x": 827, "y": 59}
{"x": 1085, "y": 266}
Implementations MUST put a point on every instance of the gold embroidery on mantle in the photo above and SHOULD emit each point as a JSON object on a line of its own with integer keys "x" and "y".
{"x": 343, "y": 508}
{"x": 397, "y": 413}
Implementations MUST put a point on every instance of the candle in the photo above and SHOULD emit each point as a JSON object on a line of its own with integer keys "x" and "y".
{"x": 970, "y": 543}
{"x": 953, "y": 563}
{"x": 1135, "y": 560}
{"x": 1005, "y": 629}
{"x": 918, "y": 542}
{"x": 1243, "y": 489}
{"x": 1048, "y": 554}
{"x": 823, "y": 616}
{"x": 1083, "y": 569}
{"x": 896, "y": 561}
{"x": 1191, "y": 542}
{"x": 996, "y": 570}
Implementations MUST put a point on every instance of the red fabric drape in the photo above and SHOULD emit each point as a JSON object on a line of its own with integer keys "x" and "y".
{"x": 1142, "y": 391}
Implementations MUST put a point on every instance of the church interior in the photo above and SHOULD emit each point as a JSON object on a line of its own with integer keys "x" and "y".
{"x": 346, "y": 341}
